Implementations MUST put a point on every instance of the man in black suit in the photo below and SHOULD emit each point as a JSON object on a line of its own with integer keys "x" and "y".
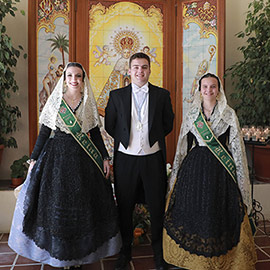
{"x": 138, "y": 117}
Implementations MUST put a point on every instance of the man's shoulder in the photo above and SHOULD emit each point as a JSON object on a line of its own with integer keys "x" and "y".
{"x": 158, "y": 88}
{"x": 118, "y": 91}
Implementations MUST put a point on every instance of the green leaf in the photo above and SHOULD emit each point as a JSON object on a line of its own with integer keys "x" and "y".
{"x": 11, "y": 12}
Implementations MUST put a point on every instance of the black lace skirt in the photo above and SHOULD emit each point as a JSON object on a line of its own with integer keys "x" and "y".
{"x": 69, "y": 207}
{"x": 205, "y": 210}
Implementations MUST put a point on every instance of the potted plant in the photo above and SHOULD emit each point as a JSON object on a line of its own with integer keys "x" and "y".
{"x": 19, "y": 169}
{"x": 251, "y": 78}
{"x": 8, "y": 60}
{"x": 141, "y": 223}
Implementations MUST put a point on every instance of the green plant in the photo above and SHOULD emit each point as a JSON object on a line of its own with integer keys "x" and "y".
{"x": 251, "y": 76}
{"x": 19, "y": 167}
{"x": 8, "y": 84}
{"x": 141, "y": 217}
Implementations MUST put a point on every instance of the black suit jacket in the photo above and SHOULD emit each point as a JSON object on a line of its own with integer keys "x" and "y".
{"x": 160, "y": 116}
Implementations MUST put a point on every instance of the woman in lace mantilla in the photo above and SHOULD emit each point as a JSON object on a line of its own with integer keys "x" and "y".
{"x": 65, "y": 214}
{"x": 206, "y": 223}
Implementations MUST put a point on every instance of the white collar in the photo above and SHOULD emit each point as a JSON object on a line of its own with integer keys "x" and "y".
{"x": 136, "y": 88}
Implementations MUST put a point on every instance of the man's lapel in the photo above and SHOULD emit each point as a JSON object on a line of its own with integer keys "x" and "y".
{"x": 127, "y": 104}
{"x": 152, "y": 105}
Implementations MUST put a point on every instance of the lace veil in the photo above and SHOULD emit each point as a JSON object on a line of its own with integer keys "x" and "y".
{"x": 88, "y": 112}
{"x": 223, "y": 118}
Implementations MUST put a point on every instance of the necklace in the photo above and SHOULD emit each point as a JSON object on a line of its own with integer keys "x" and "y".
{"x": 74, "y": 106}
{"x": 138, "y": 107}
{"x": 73, "y": 99}
{"x": 210, "y": 112}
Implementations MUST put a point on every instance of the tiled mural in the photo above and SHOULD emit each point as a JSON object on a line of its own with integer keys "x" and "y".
{"x": 117, "y": 31}
{"x": 52, "y": 45}
{"x": 200, "y": 43}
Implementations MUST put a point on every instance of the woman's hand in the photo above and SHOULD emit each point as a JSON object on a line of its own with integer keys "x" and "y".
{"x": 106, "y": 168}
{"x": 32, "y": 163}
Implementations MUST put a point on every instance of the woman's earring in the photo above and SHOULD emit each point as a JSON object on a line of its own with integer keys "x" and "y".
{"x": 82, "y": 88}
{"x": 65, "y": 87}
{"x": 201, "y": 96}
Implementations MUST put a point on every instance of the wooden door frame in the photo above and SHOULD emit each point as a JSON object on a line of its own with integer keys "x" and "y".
{"x": 169, "y": 75}
{"x": 32, "y": 78}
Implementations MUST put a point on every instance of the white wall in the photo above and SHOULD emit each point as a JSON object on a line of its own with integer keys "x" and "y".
{"x": 235, "y": 22}
{"x": 261, "y": 194}
{"x": 7, "y": 206}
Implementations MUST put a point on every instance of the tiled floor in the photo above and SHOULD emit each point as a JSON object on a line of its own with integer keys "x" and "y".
{"x": 142, "y": 257}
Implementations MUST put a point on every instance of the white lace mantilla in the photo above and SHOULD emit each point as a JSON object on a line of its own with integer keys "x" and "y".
{"x": 87, "y": 113}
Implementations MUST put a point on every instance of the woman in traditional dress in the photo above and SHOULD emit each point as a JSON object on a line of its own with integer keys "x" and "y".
{"x": 65, "y": 214}
{"x": 206, "y": 223}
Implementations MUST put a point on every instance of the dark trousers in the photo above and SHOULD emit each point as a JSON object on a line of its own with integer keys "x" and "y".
{"x": 133, "y": 174}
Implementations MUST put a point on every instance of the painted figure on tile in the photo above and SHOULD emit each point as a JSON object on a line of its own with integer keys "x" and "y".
{"x": 124, "y": 43}
{"x": 49, "y": 81}
{"x": 121, "y": 66}
{"x": 203, "y": 68}
{"x": 151, "y": 53}
{"x": 51, "y": 65}
{"x": 103, "y": 54}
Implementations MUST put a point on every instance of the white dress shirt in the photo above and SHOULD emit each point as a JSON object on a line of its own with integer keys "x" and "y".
{"x": 139, "y": 135}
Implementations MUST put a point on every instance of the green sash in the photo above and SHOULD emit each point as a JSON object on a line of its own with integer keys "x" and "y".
{"x": 221, "y": 154}
{"x": 83, "y": 140}
{"x": 215, "y": 146}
